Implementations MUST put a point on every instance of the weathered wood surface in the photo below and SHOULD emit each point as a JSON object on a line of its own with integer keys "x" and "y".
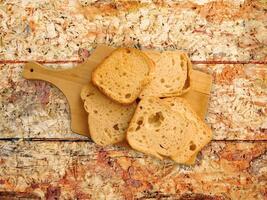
{"x": 40, "y": 158}
{"x": 34, "y": 109}
{"x": 82, "y": 170}
{"x": 66, "y": 29}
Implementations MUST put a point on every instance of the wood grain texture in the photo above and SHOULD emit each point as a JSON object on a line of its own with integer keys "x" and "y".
{"x": 70, "y": 82}
{"x": 83, "y": 170}
{"x": 225, "y": 38}
{"x": 208, "y": 30}
{"x": 34, "y": 109}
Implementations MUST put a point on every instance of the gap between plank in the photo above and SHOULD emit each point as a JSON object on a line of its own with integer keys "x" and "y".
{"x": 88, "y": 140}
{"x": 80, "y": 61}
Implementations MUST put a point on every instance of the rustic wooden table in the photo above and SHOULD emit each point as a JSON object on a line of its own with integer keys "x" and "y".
{"x": 40, "y": 158}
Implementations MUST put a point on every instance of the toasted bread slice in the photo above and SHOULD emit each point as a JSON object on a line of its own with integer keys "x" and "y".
{"x": 168, "y": 128}
{"x": 107, "y": 119}
{"x": 123, "y": 74}
{"x": 171, "y": 76}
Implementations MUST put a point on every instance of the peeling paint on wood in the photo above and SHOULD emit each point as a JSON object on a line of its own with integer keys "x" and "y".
{"x": 83, "y": 170}
{"x": 40, "y": 158}
{"x": 35, "y": 109}
{"x": 229, "y": 30}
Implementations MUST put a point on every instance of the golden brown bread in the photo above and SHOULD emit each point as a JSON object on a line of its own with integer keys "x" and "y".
{"x": 107, "y": 119}
{"x": 168, "y": 128}
{"x": 171, "y": 76}
{"x": 123, "y": 74}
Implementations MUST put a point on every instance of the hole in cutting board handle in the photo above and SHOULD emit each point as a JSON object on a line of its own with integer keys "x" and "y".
{"x": 31, "y": 70}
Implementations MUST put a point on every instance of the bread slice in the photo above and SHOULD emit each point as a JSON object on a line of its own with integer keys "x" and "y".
{"x": 171, "y": 76}
{"x": 123, "y": 74}
{"x": 168, "y": 128}
{"x": 178, "y": 104}
{"x": 107, "y": 119}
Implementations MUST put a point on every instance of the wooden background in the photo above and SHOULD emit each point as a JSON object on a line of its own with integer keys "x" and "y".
{"x": 40, "y": 158}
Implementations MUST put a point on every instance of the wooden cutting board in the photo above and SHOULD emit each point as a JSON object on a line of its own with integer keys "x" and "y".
{"x": 71, "y": 81}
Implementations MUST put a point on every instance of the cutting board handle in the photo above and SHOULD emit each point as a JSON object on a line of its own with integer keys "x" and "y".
{"x": 35, "y": 71}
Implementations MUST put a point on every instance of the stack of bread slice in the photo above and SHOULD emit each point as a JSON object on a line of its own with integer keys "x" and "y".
{"x": 134, "y": 95}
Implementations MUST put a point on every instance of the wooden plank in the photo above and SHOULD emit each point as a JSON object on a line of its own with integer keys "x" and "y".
{"x": 209, "y": 30}
{"x": 212, "y": 31}
{"x": 83, "y": 170}
{"x": 236, "y": 111}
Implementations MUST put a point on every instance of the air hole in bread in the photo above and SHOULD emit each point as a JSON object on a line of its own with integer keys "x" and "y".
{"x": 172, "y": 104}
{"x": 174, "y": 128}
{"x": 137, "y": 100}
{"x": 162, "y": 80}
{"x": 157, "y": 130}
{"x": 128, "y": 95}
{"x": 163, "y": 136}
{"x": 156, "y": 119}
{"x": 150, "y": 100}
{"x": 116, "y": 127}
{"x": 130, "y": 129}
{"x": 140, "y": 141}
{"x": 161, "y": 146}
{"x": 141, "y": 107}
{"x": 128, "y": 85}
{"x": 192, "y": 147}
{"x": 124, "y": 74}
{"x": 137, "y": 128}
{"x": 140, "y": 121}
{"x": 116, "y": 68}
{"x": 128, "y": 51}
{"x": 95, "y": 111}
{"x": 167, "y": 86}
